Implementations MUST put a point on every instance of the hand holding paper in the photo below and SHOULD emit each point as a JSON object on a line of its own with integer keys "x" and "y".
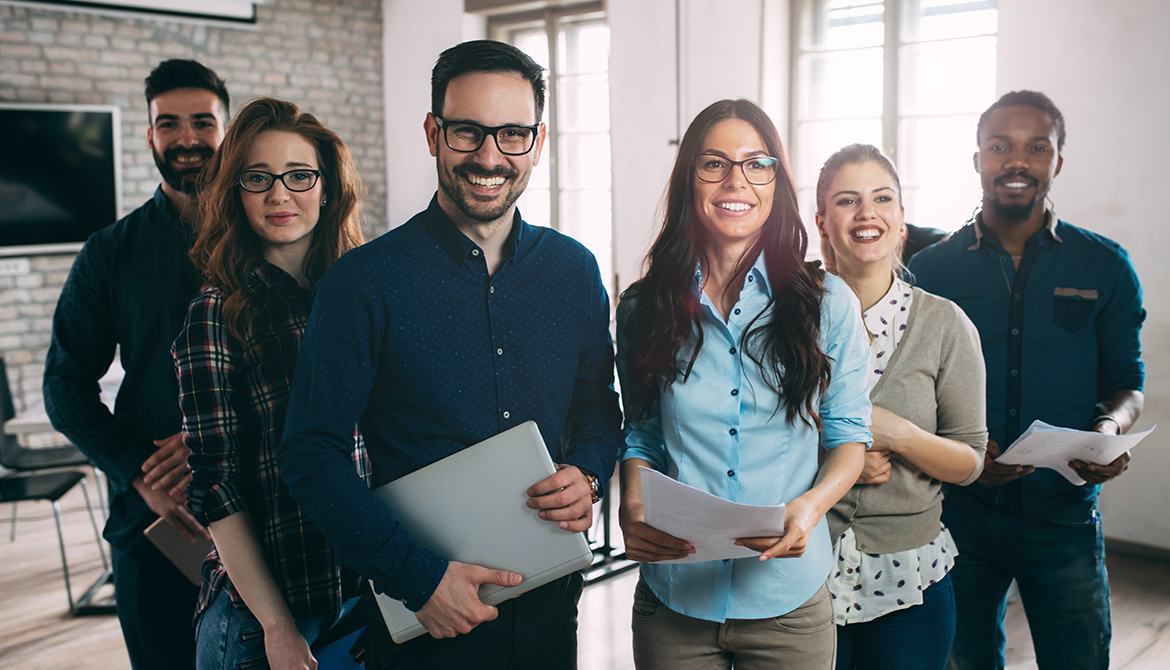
{"x": 710, "y": 524}
{"x": 1047, "y": 446}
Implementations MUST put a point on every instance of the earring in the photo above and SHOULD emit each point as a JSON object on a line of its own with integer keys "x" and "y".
{"x": 324, "y": 200}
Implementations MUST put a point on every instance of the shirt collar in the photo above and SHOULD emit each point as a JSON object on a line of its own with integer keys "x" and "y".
{"x": 459, "y": 246}
{"x": 1050, "y": 223}
{"x": 757, "y": 274}
{"x": 890, "y": 304}
{"x": 270, "y": 275}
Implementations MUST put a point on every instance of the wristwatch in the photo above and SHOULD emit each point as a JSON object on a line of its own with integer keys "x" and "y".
{"x": 594, "y": 486}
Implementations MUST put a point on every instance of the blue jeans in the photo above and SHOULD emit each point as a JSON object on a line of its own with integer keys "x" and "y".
{"x": 917, "y": 637}
{"x": 1057, "y": 557}
{"x": 228, "y": 639}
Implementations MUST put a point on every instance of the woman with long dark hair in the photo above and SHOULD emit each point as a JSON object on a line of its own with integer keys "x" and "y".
{"x": 278, "y": 206}
{"x": 892, "y": 595}
{"x": 736, "y": 358}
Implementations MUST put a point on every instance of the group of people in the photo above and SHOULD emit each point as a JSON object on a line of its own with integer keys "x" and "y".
{"x": 277, "y": 368}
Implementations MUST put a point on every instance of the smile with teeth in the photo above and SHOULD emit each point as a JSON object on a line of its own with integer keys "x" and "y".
{"x": 735, "y": 206}
{"x": 189, "y": 158}
{"x": 867, "y": 234}
{"x": 485, "y": 182}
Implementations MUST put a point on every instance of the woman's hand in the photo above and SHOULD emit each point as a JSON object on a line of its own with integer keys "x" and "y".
{"x": 286, "y": 648}
{"x": 643, "y": 543}
{"x": 877, "y": 465}
{"x": 800, "y": 517}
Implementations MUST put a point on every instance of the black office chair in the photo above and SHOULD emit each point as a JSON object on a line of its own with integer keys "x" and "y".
{"x": 29, "y": 480}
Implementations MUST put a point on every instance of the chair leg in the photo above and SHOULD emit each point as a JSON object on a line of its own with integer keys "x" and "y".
{"x": 64, "y": 561}
{"x": 99, "y": 479}
{"x": 93, "y": 522}
{"x": 12, "y": 531}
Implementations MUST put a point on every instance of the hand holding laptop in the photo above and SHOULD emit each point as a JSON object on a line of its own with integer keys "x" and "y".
{"x": 565, "y": 497}
{"x": 455, "y": 607}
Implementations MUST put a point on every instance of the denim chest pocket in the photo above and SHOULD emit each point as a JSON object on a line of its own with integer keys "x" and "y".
{"x": 1073, "y": 309}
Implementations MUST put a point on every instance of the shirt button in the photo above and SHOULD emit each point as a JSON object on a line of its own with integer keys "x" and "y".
{"x": 1015, "y": 331}
{"x": 1015, "y": 373}
{"x": 732, "y": 352}
{"x": 734, "y": 391}
{"x": 737, "y": 310}
{"x": 733, "y": 431}
{"x": 849, "y": 570}
{"x": 507, "y": 414}
{"x": 731, "y": 473}
{"x": 750, "y": 277}
{"x": 500, "y": 352}
{"x": 475, "y": 252}
{"x": 492, "y": 289}
{"x": 1016, "y": 296}
{"x": 1012, "y": 412}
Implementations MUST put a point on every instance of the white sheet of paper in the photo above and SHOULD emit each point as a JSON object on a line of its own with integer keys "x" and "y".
{"x": 711, "y": 524}
{"x": 1046, "y": 446}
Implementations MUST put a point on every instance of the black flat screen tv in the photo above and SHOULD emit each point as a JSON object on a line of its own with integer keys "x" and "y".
{"x": 60, "y": 176}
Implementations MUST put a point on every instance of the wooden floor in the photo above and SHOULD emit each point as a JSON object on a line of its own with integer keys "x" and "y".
{"x": 37, "y": 633}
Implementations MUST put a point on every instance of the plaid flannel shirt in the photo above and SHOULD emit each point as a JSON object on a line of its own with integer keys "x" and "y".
{"x": 233, "y": 397}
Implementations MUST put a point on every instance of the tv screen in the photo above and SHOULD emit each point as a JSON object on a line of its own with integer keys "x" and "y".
{"x": 60, "y": 176}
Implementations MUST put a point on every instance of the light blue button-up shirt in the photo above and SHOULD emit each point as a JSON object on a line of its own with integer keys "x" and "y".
{"x": 720, "y": 432}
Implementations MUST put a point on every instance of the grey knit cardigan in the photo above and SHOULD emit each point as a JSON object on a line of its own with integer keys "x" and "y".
{"x": 935, "y": 379}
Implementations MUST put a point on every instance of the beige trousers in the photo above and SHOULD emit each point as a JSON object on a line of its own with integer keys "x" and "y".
{"x": 803, "y": 639}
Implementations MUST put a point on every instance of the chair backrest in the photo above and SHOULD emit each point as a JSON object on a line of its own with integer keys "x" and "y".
{"x": 8, "y": 444}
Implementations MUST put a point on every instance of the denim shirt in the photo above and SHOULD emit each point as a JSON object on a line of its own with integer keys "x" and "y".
{"x": 1059, "y": 334}
{"x": 719, "y": 431}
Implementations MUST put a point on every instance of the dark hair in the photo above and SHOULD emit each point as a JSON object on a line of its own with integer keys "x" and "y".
{"x": 484, "y": 56}
{"x": 852, "y": 155}
{"x": 665, "y": 315}
{"x": 226, "y": 249}
{"x": 181, "y": 73}
{"x": 1030, "y": 99}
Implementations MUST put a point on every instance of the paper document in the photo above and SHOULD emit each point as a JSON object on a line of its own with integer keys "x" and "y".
{"x": 710, "y": 524}
{"x": 1047, "y": 446}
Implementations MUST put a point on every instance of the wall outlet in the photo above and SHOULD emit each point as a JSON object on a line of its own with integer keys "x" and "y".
{"x": 13, "y": 266}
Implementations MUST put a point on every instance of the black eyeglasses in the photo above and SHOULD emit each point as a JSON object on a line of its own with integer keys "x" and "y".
{"x": 758, "y": 170}
{"x": 259, "y": 181}
{"x": 466, "y": 137}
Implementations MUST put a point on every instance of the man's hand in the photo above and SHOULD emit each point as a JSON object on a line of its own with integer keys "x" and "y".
{"x": 286, "y": 648}
{"x": 800, "y": 517}
{"x": 997, "y": 473}
{"x": 1099, "y": 474}
{"x": 455, "y": 608}
{"x": 171, "y": 511}
{"x": 564, "y": 497}
{"x": 166, "y": 469}
{"x": 645, "y": 544}
{"x": 877, "y": 465}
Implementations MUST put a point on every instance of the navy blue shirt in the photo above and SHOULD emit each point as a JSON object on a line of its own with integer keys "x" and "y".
{"x": 128, "y": 290}
{"x": 410, "y": 337}
{"x": 1059, "y": 334}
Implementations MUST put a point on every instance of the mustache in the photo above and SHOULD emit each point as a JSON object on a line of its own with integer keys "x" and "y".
{"x": 172, "y": 154}
{"x": 1016, "y": 176}
{"x": 473, "y": 169}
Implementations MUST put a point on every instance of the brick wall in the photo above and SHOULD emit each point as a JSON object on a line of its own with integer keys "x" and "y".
{"x": 324, "y": 56}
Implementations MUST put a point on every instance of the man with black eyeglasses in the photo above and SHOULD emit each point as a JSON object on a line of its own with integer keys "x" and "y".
{"x": 129, "y": 290}
{"x": 462, "y": 323}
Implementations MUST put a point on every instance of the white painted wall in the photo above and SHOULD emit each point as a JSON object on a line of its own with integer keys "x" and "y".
{"x": 1106, "y": 66}
{"x": 721, "y": 57}
{"x": 413, "y": 35}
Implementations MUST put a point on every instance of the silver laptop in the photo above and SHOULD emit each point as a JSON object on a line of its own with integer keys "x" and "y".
{"x": 188, "y": 557}
{"x": 471, "y": 507}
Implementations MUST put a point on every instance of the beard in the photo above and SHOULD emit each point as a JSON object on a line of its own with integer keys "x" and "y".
{"x": 1013, "y": 214}
{"x": 455, "y": 187}
{"x": 180, "y": 179}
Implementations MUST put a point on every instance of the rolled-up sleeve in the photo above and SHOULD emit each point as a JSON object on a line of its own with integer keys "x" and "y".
{"x": 206, "y": 360}
{"x": 845, "y": 407}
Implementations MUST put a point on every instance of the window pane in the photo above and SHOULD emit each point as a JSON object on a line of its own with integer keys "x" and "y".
{"x": 947, "y": 77}
{"x": 534, "y": 205}
{"x": 937, "y": 151}
{"x": 583, "y": 48}
{"x": 585, "y": 161}
{"x": 840, "y": 85}
{"x": 806, "y": 199}
{"x": 946, "y": 19}
{"x": 945, "y": 208}
{"x": 843, "y": 24}
{"x": 583, "y": 103}
{"x": 816, "y": 141}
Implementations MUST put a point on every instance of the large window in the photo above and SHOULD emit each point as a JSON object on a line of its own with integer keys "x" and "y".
{"x": 570, "y": 190}
{"x": 909, "y": 76}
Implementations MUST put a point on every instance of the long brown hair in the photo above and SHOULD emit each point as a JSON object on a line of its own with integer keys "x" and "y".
{"x": 226, "y": 249}
{"x": 665, "y": 315}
